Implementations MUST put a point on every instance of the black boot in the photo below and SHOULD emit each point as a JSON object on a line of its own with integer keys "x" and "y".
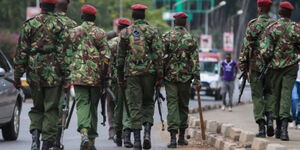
{"x": 137, "y": 139}
{"x": 270, "y": 126}
{"x": 181, "y": 140}
{"x": 278, "y": 129}
{"x": 261, "y": 129}
{"x": 84, "y": 145}
{"x": 35, "y": 140}
{"x": 173, "y": 143}
{"x": 47, "y": 145}
{"x": 284, "y": 130}
{"x": 127, "y": 140}
{"x": 147, "y": 136}
{"x": 118, "y": 138}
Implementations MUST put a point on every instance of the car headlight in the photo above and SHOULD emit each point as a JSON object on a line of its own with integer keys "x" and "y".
{"x": 214, "y": 84}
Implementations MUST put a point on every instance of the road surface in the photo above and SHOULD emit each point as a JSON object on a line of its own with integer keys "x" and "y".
{"x": 72, "y": 138}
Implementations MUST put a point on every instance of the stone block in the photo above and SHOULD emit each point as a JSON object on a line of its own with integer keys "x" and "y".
{"x": 246, "y": 138}
{"x": 259, "y": 144}
{"x": 276, "y": 147}
{"x": 195, "y": 123}
{"x": 234, "y": 134}
{"x": 229, "y": 146}
{"x": 219, "y": 143}
{"x": 212, "y": 126}
{"x": 219, "y": 128}
{"x": 225, "y": 129}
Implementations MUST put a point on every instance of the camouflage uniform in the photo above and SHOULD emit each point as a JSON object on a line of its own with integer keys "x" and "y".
{"x": 121, "y": 120}
{"x": 282, "y": 41}
{"x": 181, "y": 65}
{"x": 250, "y": 62}
{"x": 42, "y": 55}
{"x": 141, "y": 66}
{"x": 90, "y": 50}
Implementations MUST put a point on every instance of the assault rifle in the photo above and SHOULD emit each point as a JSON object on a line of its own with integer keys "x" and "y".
{"x": 158, "y": 98}
{"x": 244, "y": 76}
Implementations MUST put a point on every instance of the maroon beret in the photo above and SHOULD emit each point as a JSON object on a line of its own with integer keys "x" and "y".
{"x": 180, "y": 15}
{"x": 264, "y": 2}
{"x": 49, "y": 1}
{"x": 286, "y": 5}
{"x": 138, "y": 7}
{"x": 124, "y": 21}
{"x": 88, "y": 9}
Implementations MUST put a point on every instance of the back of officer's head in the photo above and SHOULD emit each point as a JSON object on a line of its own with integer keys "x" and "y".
{"x": 264, "y": 6}
{"x": 180, "y": 19}
{"x": 48, "y": 5}
{"x": 62, "y": 5}
{"x": 88, "y": 13}
{"x": 286, "y": 9}
{"x": 138, "y": 11}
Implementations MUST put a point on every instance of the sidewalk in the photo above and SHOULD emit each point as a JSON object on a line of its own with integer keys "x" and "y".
{"x": 242, "y": 117}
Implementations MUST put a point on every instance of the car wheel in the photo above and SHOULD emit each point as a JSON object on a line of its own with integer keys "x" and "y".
{"x": 10, "y": 131}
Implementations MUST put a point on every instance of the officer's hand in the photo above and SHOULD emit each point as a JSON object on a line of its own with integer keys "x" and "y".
{"x": 158, "y": 83}
{"x": 18, "y": 83}
{"x": 66, "y": 87}
{"x": 197, "y": 84}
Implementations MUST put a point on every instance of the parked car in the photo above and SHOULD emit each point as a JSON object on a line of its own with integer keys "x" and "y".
{"x": 210, "y": 75}
{"x": 11, "y": 100}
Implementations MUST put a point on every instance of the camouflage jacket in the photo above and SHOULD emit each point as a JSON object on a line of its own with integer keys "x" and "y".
{"x": 41, "y": 51}
{"x": 66, "y": 20}
{"x": 142, "y": 58}
{"x": 89, "y": 46}
{"x": 181, "y": 59}
{"x": 250, "y": 50}
{"x": 282, "y": 41}
{"x": 113, "y": 46}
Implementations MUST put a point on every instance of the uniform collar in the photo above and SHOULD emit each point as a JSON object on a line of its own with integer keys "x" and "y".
{"x": 61, "y": 13}
{"x": 281, "y": 20}
{"x": 139, "y": 21}
{"x": 88, "y": 23}
{"x": 263, "y": 16}
{"x": 179, "y": 28}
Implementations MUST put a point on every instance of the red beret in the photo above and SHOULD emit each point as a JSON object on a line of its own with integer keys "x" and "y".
{"x": 49, "y": 1}
{"x": 88, "y": 9}
{"x": 264, "y": 2}
{"x": 124, "y": 21}
{"x": 138, "y": 7}
{"x": 286, "y": 5}
{"x": 180, "y": 15}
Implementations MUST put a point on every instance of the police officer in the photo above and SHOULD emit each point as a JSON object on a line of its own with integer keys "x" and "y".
{"x": 139, "y": 64}
{"x": 61, "y": 12}
{"x": 250, "y": 60}
{"x": 120, "y": 116}
{"x": 41, "y": 54}
{"x": 181, "y": 65}
{"x": 280, "y": 46}
{"x": 89, "y": 46}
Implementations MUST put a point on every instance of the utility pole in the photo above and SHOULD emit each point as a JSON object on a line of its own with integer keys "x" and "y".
{"x": 37, "y": 3}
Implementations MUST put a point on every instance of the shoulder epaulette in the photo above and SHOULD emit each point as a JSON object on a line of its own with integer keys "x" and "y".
{"x": 252, "y": 21}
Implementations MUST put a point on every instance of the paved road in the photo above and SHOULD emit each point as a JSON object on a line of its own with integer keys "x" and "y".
{"x": 72, "y": 138}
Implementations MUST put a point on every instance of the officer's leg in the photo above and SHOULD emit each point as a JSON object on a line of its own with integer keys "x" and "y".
{"x": 110, "y": 112}
{"x": 125, "y": 121}
{"x": 289, "y": 77}
{"x": 184, "y": 92}
{"x": 134, "y": 99}
{"x": 36, "y": 116}
{"x": 118, "y": 114}
{"x": 173, "y": 117}
{"x": 258, "y": 103}
{"x": 51, "y": 114}
{"x": 94, "y": 97}
{"x": 148, "y": 108}
{"x": 84, "y": 117}
{"x": 270, "y": 102}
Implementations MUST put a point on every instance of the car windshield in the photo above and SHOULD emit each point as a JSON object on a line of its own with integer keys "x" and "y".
{"x": 209, "y": 67}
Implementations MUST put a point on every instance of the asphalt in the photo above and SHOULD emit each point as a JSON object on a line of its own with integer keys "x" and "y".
{"x": 72, "y": 139}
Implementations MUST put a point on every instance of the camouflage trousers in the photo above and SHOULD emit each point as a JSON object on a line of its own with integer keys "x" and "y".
{"x": 45, "y": 111}
{"x": 139, "y": 95}
{"x": 178, "y": 96}
{"x": 261, "y": 96}
{"x": 282, "y": 81}
{"x": 121, "y": 120}
{"x": 87, "y": 100}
